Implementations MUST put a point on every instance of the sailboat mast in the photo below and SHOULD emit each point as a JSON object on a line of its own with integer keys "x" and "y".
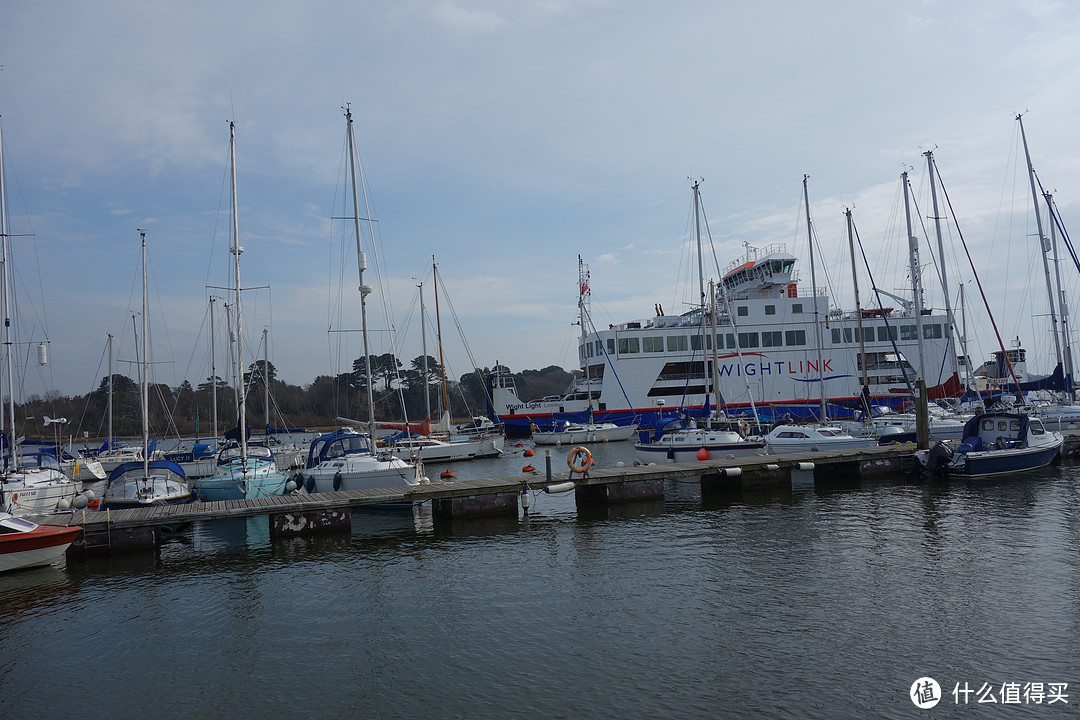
{"x": 241, "y": 402}
{"x": 365, "y": 290}
{"x": 858, "y": 304}
{"x": 701, "y": 276}
{"x": 583, "y": 296}
{"x": 266, "y": 379}
{"x": 9, "y": 378}
{"x": 1044, "y": 248}
{"x": 916, "y": 277}
{"x": 423, "y": 348}
{"x": 213, "y": 370}
{"x": 110, "y": 398}
{"x": 438, "y": 337}
{"x": 813, "y": 294}
{"x": 144, "y": 390}
{"x": 941, "y": 260}
{"x": 1066, "y": 348}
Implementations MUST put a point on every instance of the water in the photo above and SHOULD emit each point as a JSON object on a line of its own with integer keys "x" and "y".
{"x": 823, "y": 602}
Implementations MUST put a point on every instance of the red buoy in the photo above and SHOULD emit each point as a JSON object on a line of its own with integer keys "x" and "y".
{"x": 702, "y": 454}
{"x": 528, "y": 453}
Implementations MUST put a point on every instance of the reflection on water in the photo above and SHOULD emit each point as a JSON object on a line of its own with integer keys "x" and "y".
{"x": 823, "y": 601}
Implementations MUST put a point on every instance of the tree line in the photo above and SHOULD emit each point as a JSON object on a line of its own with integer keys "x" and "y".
{"x": 398, "y": 392}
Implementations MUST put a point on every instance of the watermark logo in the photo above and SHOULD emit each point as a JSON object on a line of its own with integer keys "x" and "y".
{"x": 925, "y": 693}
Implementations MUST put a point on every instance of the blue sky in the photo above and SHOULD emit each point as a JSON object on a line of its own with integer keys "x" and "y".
{"x": 505, "y": 138}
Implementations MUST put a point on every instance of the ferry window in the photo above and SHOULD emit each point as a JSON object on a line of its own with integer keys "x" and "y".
{"x": 629, "y": 345}
{"x": 796, "y": 308}
{"x": 886, "y": 333}
{"x": 868, "y": 332}
{"x": 748, "y": 340}
{"x": 652, "y": 344}
{"x": 795, "y": 337}
{"x": 742, "y": 311}
{"x": 931, "y": 332}
{"x": 770, "y": 309}
{"x": 835, "y": 336}
{"x": 907, "y": 332}
{"x": 611, "y": 345}
{"x": 731, "y": 341}
{"x": 676, "y": 343}
{"x": 847, "y": 335}
{"x": 695, "y": 342}
{"x": 771, "y": 339}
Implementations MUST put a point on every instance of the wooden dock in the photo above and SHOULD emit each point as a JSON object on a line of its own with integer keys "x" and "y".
{"x": 321, "y": 512}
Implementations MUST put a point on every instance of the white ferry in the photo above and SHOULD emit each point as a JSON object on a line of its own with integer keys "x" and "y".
{"x": 766, "y": 357}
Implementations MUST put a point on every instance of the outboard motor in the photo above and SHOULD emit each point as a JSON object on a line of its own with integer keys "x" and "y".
{"x": 939, "y": 456}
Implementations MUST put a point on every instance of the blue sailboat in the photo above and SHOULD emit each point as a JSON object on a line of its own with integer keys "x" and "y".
{"x": 244, "y": 470}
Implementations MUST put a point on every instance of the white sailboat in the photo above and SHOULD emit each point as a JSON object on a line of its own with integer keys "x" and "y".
{"x": 442, "y": 444}
{"x": 146, "y": 482}
{"x": 31, "y": 481}
{"x": 347, "y": 459}
{"x": 246, "y": 470}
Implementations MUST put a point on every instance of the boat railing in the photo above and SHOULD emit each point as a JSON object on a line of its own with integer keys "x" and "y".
{"x": 753, "y": 254}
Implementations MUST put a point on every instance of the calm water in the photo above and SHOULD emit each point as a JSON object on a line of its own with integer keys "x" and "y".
{"x": 824, "y": 602}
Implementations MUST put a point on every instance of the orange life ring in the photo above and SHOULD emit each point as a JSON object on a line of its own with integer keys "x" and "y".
{"x": 586, "y": 461}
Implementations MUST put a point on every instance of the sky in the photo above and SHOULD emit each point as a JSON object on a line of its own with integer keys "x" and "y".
{"x": 504, "y": 138}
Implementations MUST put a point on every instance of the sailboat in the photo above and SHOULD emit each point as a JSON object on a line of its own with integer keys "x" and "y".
{"x": 681, "y": 439}
{"x": 31, "y": 481}
{"x": 347, "y": 459}
{"x": 821, "y": 435}
{"x": 441, "y": 443}
{"x": 244, "y": 470}
{"x": 146, "y": 482}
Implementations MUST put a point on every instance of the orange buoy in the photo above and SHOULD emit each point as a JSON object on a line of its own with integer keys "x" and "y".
{"x": 528, "y": 452}
{"x": 446, "y": 474}
{"x": 703, "y": 454}
{"x": 528, "y": 469}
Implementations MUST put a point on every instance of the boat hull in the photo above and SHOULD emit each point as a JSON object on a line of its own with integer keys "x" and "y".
{"x": 585, "y": 434}
{"x": 41, "y": 546}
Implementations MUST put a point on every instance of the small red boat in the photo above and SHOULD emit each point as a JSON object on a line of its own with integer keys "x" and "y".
{"x": 27, "y": 544}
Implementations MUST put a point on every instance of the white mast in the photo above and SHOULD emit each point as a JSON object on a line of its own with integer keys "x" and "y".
{"x": 584, "y": 293}
{"x": 1066, "y": 348}
{"x": 266, "y": 378}
{"x": 213, "y": 371}
{"x": 236, "y": 249}
{"x": 144, "y": 391}
{"x": 1044, "y": 248}
{"x": 916, "y": 277}
{"x": 813, "y": 294}
{"x": 941, "y": 263}
{"x": 423, "y": 349}
{"x": 110, "y": 398}
{"x": 9, "y": 378}
{"x": 365, "y": 290}
{"x": 865, "y": 380}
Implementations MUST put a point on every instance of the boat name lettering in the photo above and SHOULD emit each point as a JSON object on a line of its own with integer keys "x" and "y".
{"x": 776, "y": 367}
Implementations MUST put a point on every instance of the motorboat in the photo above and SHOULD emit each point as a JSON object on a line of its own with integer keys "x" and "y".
{"x": 575, "y": 433}
{"x": 994, "y": 443}
{"x": 812, "y": 438}
{"x": 26, "y": 544}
